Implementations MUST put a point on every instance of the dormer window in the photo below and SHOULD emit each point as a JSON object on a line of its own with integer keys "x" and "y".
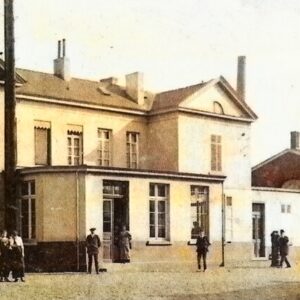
{"x": 218, "y": 108}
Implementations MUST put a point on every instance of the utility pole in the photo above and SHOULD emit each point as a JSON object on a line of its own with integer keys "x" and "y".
{"x": 10, "y": 140}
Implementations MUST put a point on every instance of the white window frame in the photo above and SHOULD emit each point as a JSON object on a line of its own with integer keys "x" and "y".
{"x": 156, "y": 199}
{"x": 104, "y": 142}
{"x": 130, "y": 145}
{"x": 71, "y": 137}
{"x": 30, "y": 196}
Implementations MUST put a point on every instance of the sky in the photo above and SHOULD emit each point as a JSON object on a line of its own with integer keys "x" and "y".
{"x": 176, "y": 43}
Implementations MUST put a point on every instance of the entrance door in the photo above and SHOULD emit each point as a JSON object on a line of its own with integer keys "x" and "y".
{"x": 108, "y": 217}
{"x": 258, "y": 229}
{"x": 115, "y": 215}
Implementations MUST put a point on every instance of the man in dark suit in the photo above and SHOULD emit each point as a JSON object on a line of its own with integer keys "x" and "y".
{"x": 284, "y": 249}
{"x": 202, "y": 249}
{"x": 92, "y": 246}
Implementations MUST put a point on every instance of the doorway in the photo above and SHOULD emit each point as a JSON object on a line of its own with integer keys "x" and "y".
{"x": 258, "y": 229}
{"x": 115, "y": 214}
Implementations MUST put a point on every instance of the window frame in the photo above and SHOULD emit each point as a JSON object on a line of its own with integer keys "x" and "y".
{"x": 101, "y": 147}
{"x": 30, "y": 197}
{"x": 129, "y": 146}
{"x": 156, "y": 198}
{"x": 74, "y": 135}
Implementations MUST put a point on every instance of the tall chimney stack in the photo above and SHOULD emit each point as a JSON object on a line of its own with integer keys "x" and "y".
{"x": 135, "y": 87}
{"x": 295, "y": 140}
{"x": 241, "y": 77}
{"x": 62, "y": 63}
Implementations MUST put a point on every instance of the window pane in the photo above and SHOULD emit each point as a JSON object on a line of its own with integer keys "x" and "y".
{"x": 152, "y": 231}
{"x": 24, "y": 218}
{"x": 76, "y": 142}
{"x": 41, "y": 146}
{"x": 161, "y": 206}
{"x": 106, "y": 227}
{"x": 32, "y": 187}
{"x": 152, "y": 206}
{"x": 33, "y": 218}
{"x": 69, "y": 141}
{"x": 152, "y": 189}
{"x": 161, "y": 219}
{"x": 152, "y": 219}
{"x": 24, "y": 188}
{"x": 161, "y": 232}
{"x": 161, "y": 190}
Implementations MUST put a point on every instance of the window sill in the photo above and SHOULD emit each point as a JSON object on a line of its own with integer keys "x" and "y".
{"x": 158, "y": 243}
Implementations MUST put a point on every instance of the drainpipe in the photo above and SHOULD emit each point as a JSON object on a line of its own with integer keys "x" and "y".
{"x": 77, "y": 221}
{"x": 223, "y": 227}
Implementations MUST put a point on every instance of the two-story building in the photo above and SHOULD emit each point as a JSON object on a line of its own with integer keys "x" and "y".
{"x": 97, "y": 154}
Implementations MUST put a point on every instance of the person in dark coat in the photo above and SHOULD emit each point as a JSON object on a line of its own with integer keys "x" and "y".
{"x": 275, "y": 249}
{"x": 284, "y": 249}
{"x": 202, "y": 249}
{"x": 93, "y": 244}
{"x": 17, "y": 257}
{"x": 5, "y": 256}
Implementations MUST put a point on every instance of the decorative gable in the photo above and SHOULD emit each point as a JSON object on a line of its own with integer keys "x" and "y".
{"x": 214, "y": 99}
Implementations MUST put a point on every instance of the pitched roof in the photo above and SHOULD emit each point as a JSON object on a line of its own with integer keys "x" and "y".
{"x": 173, "y": 98}
{"x": 79, "y": 90}
{"x": 277, "y": 170}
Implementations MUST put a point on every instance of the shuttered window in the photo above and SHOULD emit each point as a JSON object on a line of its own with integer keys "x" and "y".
{"x": 42, "y": 145}
{"x": 216, "y": 153}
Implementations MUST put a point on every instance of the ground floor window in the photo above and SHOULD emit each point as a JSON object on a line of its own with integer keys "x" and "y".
{"x": 199, "y": 210}
{"x": 27, "y": 211}
{"x": 158, "y": 211}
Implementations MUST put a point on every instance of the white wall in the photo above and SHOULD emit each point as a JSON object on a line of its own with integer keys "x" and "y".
{"x": 275, "y": 219}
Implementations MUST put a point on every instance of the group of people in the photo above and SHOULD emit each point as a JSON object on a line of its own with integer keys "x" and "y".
{"x": 93, "y": 244}
{"x": 11, "y": 257}
{"x": 280, "y": 249}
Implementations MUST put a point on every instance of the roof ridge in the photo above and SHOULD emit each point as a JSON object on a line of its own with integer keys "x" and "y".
{"x": 185, "y": 87}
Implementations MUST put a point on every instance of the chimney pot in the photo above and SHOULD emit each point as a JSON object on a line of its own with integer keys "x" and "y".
{"x": 295, "y": 140}
{"x": 58, "y": 49}
{"x": 62, "y": 63}
{"x": 241, "y": 77}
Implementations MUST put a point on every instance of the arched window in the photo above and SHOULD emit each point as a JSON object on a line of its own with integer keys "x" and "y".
{"x": 218, "y": 109}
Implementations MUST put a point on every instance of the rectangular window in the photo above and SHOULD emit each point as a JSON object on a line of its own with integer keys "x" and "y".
{"x": 75, "y": 148}
{"x": 27, "y": 210}
{"x": 42, "y": 143}
{"x": 158, "y": 211}
{"x": 228, "y": 219}
{"x": 104, "y": 147}
{"x": 199, "y": 210}
{"x": 216, "y": 153}
{"x": 132, "y": 150}
{"x": 288, "y": 208}
{"x": 282, "y": 208}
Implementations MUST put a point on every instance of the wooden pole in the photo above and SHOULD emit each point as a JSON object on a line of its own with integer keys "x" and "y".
{"x": 10, "y": 118}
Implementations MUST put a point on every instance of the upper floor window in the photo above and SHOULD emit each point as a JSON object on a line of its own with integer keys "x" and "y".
{"x": 216, "y": 153}
{"x": 159, "y": 211}
{"x": 27, "y": 210}
{"x": 132, "y": 149}
{"x": 75, "y": 146}
{"x": 218, "y": 108}
{"x": 42, "y": 143}
{"x": 104, "y": 147}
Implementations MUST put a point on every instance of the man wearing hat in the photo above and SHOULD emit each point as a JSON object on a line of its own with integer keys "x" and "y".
{"x": 92, "y": 246}
{"x": 202, "y": 245}
{"x": 284, "y": 249}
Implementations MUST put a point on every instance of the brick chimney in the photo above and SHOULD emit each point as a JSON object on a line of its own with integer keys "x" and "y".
{"x": 295, "y": 140}
{"x": 135, "y": 87}
{"x": 62, "y": 63}
{"x": 241, "y": 77}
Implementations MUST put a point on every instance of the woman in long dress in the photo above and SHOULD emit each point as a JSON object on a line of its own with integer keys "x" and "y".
{"x": 17, "y": 257}
{"x": 124, "y": 245}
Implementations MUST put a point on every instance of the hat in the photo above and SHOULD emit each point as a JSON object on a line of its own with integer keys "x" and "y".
{"x": 92, "y": 229}
{"x": 281, "y": 231}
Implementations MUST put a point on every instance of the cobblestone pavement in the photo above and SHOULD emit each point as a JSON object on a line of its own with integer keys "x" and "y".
{"x": 178, "y": 282}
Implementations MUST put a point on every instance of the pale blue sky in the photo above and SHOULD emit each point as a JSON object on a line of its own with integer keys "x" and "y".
{"x": 177, "y": 43}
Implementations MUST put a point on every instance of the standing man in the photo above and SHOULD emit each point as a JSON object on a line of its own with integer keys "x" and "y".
{"x": 18, "y": 267}
{"x": 5, "y": 256}
{"x": 284, "y": 249}
{"x": 92, "y": 246}
{"x": 202, "y": 249}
